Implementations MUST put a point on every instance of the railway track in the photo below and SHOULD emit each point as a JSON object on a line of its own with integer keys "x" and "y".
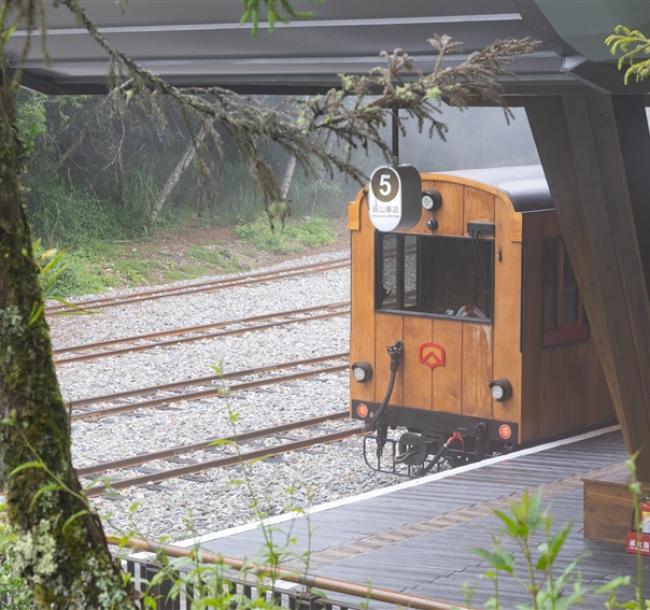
{"x": 163, "y": 454}
{"x": 135, "y": 343}
{"x": 159, "y": 395}
{"x": 161, "y": 293}
{"x": 230, "y": 460}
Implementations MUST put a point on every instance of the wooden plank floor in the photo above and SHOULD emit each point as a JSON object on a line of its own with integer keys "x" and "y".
{"x": 420, "y": 539}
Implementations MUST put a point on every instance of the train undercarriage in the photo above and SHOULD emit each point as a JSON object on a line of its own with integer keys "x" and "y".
{"x": 414, "y": 442}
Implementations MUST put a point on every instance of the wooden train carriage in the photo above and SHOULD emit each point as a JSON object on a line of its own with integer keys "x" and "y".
{"x": 479, "y": 291}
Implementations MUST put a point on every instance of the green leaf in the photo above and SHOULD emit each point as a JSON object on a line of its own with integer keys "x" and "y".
{"x": 498, "y": 559}
{"x": 550, "y": 549}
{"x": 6, "y": 35}
{"x": 36, "y": 314}
{"x": 511, "y": 526}
{"x": 43, "y": 490}
{"x": 37, "y": 464}
{"x": 490, "y": 574}
{"x": 150, "y": 602}
{"x": 70, "y": 520}
{"x": 252, "y": 9}
{"x": 220, "y": 442}
{"x": 613, "y": 585}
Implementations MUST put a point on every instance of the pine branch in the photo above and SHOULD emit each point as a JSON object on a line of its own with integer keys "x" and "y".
{"x": 354, "y": 115}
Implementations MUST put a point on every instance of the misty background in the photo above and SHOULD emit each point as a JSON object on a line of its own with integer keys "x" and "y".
{"x": 103, "y": 181}
{"x": 90, "y": 164}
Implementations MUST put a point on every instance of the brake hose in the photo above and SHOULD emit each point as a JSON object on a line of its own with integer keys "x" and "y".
{"x": 455, "y": 437}
{"x": 395, "y": 352}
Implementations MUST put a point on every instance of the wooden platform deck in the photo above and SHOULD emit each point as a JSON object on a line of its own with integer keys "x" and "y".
{"x": 419, "y": 537}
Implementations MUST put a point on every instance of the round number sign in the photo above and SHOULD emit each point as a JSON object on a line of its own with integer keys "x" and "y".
{"x": 385, "y": 184}
{"x": 394, "y": 197}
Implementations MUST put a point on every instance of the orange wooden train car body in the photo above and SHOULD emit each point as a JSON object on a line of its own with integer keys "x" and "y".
{"x": 487, "y": 295}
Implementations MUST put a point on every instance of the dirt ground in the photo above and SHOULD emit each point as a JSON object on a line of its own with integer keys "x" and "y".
{"x": 175, "y": 254}
{"x": 175, "y": 246}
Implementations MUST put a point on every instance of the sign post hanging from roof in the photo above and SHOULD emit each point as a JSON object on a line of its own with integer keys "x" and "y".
{"x": 394, "y": 197}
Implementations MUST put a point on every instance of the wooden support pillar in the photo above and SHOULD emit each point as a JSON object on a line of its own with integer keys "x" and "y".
{"x": 630, "y": 115}
{"x": 588, "y": 146}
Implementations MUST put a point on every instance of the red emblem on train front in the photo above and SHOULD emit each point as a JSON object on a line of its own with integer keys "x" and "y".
{"x": 432, "y": 355}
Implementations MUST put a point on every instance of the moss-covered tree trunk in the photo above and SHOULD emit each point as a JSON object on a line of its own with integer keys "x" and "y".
{"x": 61, "y": 544}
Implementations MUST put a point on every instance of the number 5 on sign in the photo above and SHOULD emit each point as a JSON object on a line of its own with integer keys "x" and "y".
{"x": 394, "y": 197}
{"x": 385, "y": 186}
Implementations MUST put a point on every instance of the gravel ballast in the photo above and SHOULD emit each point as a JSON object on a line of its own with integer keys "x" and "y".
{"x": 215, "y": 499}
{"x": 204, "y": 307}
{"x": 190, "y": 360}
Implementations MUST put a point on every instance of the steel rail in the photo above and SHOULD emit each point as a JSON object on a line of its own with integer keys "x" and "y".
{"x": 254, "y": 278}
{"x": 143, "y": 458}
{"x": 174, "y": 289}
{"x": 343, "y": 587}
{"x": 223, "y": 462}
{"x": 158, "y": 402}
{"x": 271, "y": 320}
{"x": 246, "y": 385}
{"x": 202, "y": 380}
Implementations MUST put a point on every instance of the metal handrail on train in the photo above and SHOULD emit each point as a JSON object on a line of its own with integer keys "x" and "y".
{"x": 364, "y": 592}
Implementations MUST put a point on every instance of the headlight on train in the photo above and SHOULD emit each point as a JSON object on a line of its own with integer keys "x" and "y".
{"x": 501, "y": 389}
{"x": 431, "y": 200}
{"x": 361, "y": 371}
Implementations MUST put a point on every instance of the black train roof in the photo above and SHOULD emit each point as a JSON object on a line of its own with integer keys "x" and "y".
{"x": 525, "y": 185}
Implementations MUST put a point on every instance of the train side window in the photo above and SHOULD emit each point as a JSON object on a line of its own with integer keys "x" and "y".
{"x": 440, "y": 276}
{"x": 387, "y": 287}
{"x": 563, "y": 317}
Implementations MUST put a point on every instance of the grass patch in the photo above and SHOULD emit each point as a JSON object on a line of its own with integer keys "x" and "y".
{"x": 98, "y": 266}
{"x": 66, "y": 218}
{"x": 221, "y": 258}
{"x": 94, "y": 268}
{"x": 181, "y": 273}
{"x": 295, "y": 237}
{"x": 82, "y": 275}
{"x": 172, "y": 255}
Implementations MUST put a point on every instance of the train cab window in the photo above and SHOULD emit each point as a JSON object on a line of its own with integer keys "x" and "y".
{"x": 564, "y": 319}
{"x": 440, "y": 276}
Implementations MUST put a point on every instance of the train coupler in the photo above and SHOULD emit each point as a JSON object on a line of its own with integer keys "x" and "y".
{"x": 404, "y": 456}
{"x": 412, "y": 449}
{"x": 414, "y": 454}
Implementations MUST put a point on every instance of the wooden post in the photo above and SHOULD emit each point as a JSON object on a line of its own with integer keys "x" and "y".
{"x": 594, "y": 150}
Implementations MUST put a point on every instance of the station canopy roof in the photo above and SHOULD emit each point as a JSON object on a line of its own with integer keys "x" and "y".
{"x": 201, "y": 42}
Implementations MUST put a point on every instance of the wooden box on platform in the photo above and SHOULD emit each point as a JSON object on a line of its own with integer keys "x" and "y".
{"x": 608, "y": 505}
